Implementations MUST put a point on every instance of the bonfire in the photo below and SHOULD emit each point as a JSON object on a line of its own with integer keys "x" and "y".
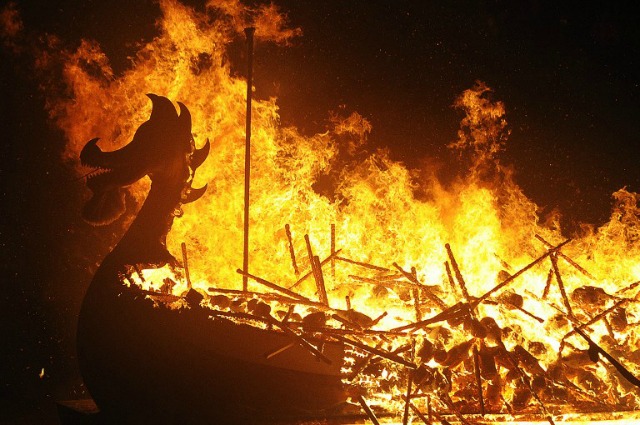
{"x": 448, "y": 302}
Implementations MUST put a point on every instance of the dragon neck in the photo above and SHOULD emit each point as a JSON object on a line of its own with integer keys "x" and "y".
{"x": 144, "y": 242}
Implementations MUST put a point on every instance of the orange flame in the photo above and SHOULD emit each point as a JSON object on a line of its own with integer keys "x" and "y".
{"x": 379, "y": 219}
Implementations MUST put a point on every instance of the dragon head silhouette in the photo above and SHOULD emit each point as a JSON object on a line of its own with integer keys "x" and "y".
{"x": 162, "y": 148}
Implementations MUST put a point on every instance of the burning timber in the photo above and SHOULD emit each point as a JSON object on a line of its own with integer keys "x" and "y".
{"x": 149, "y": 350}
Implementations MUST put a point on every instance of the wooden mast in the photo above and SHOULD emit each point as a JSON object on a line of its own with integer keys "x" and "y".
{"x": 247, "y": 157}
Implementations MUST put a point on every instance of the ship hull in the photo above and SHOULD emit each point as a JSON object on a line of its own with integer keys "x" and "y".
{"x": 146, "y": 363}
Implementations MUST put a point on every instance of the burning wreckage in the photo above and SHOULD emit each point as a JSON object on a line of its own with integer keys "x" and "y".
{"x": 153, "y": 347}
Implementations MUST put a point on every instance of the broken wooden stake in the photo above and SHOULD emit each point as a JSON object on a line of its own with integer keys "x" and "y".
{"x": 407, "y": 398}
{"x": 279, "y": 350}
{"x": 595, "y": 348}
{"x": 456, "y": 270}
{"x": 377, "y": 351}
{"x": 456, "y": 311}
{"x": 412, "y": 278}
{"x": 316, "y": 269}
{"x": 565, "y": 299}
{"x": 300, "y": 340}
{"x": 416, "y": 304}
{"x": 362, "y": 264}
{"x": 547, "y": 286}
{"x": 452, "y": 283}
{"x": 368, "y": 410}
{"x": 310, "y": 273}
{"x": 519, "y": 272}
{"x": 185, "y": 261}
{"x": 628, "y": 288}
{"x": 322, "y": 291}
{"x": 333, "y": 253}
{"x": 379, "y": 318}
{"x": 419, "y": 414}
{"x": 274, "y": 286}
{"x": 292, "y": 252}
{"x": 567, "y": 258}
{"x": 476, "y": 366}
{"x": 597, "y": 317}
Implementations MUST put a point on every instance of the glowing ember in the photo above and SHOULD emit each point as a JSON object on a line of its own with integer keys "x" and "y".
{"x": 402, "y": 258}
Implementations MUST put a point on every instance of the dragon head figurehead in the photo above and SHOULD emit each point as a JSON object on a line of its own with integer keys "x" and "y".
{"x": 162, "y": 148}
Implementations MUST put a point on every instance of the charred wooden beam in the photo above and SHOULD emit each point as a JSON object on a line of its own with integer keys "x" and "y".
{"x": 607, "y": 325}
{"x": 240, "y": 316}
{"x": 515, "y": 306}
{"x": 288, "y": 314}
{"x": 333, "y": 253}
{"x": 159, "y": 295}
{"x": 568, "y": 259}
{"x": 322, "y": 291}
{"x": 389, "y": 284}
{"x": 458, "y": 274}
{"x": 628, "y": 288}
{"x": 297, "y": 338}
{"x": 416, "y": 304}
{"x": 547, "y": 286}
{"x": 348, "y": 323}
{"x": 362, "y": 264}
{"x": 563, "y": 292}
{"x": 310, "y": 273}
{"x": 392, "y": 278}
{"x": 267, "y": 296}
{"x": 277, "y": 288}
{"x": 368, "y": 410}
{"x": 383, "y": 334}
{"x": 185, "y": 262}
{"x": 440, "y": 418}
{"x": 412, "y": 278}
{"x": 279, "y": 350}
{"x": 457, "y": 311}
{"x": 476, "y": 367}
{"x": 525, "y": 381}
{"x": 597, "y": 317}
{"x": 419, "y": 414}
{"x": 595, "y": 349}
{"x": 528, "y": 313}
{"x": 446, "y": 400}
{"x": 578, "y": 392}
{"x": 316, "y": 270}
{"x": 292, "y": 252}
{"x": 519, "y": 272}
{"x": 377, "y": 351}
{"x": 452, "y": 283}
{"x": 361, "y": 365}
{"x": 407, "y": 398}
{"x": 379, "y": 318}
{"x": 139, "y": 272}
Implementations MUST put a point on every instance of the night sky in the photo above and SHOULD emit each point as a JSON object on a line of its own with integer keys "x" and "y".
{"x": 568, "y": 73}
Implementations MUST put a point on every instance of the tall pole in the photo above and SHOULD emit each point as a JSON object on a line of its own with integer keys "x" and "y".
{"x": 247, "y": 157}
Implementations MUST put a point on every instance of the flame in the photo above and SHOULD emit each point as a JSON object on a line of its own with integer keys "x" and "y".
{"x": 383, "y": 212}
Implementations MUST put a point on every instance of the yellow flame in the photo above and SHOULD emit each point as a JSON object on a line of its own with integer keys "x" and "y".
{"x": 379, "y": 219}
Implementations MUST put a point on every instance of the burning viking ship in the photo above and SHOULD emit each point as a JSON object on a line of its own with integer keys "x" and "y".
{"x": 149, "y": 353}
{"x": 142, "y": 361}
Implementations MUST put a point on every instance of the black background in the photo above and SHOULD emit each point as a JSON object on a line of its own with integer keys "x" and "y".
{"x": 568, "y": 72}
